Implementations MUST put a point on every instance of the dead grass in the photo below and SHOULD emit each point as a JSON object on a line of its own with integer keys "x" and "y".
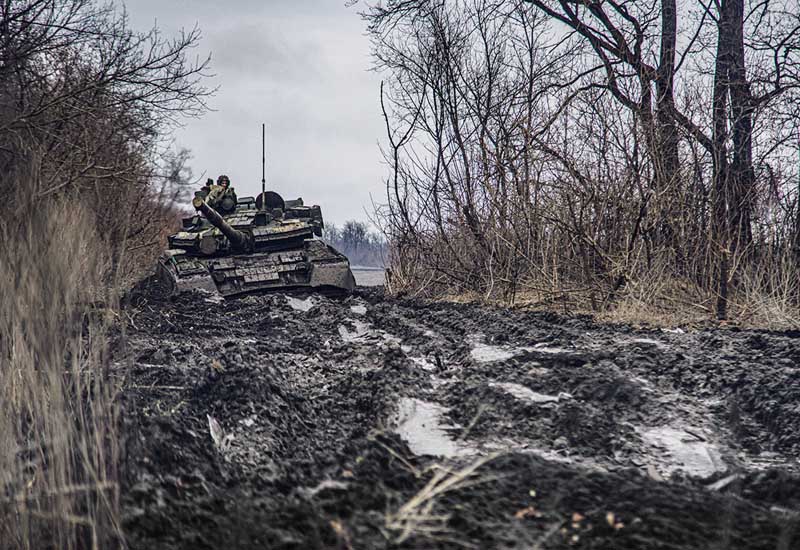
{"x": 422, "y": 517}
{"x": 58, "y": 420}
{"x": 765, "y": 297}
{"x": 768, "y": 295}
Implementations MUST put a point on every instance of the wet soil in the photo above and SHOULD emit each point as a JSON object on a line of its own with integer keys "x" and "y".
{"x": 372, "y": 422}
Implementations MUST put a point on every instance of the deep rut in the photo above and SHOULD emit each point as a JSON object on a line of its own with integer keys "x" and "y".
{"x": 310, "y": 422}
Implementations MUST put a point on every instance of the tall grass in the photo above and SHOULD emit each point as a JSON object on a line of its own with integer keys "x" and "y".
{"x": 764, "y": 284}
{"x": 58, "y": 420}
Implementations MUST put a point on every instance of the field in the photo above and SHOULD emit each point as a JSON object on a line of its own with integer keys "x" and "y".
{"x": 373, "y": 422}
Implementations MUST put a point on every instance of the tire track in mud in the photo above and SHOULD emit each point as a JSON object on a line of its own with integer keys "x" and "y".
{"x": 310, "y": 422}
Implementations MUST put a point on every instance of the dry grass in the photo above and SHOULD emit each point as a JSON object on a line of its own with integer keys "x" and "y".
{"x": 765, "y": 297}
{"x": 421, "y": 516}
{"x": 58, "y": 420}
{"x": 768, "y": 295}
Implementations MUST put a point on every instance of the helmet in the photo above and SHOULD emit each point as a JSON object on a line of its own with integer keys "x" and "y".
{"x": 223, "y": 180}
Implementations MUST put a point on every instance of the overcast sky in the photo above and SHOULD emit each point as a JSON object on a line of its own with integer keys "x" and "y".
{"x": 301, "y": 66}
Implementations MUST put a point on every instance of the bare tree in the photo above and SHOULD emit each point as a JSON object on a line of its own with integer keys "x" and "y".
{"x": 586, "y": 143}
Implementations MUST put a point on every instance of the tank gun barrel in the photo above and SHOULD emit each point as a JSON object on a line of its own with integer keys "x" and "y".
{"x": 238, "y": 239}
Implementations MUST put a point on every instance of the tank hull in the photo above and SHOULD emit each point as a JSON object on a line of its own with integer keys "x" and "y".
{"x": 314, "y": 266}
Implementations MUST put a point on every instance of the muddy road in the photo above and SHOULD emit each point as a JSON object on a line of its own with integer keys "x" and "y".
{"x": 368, "y": 422}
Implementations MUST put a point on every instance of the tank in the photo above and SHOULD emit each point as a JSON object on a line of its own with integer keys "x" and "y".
{"x": 233, "y": 246}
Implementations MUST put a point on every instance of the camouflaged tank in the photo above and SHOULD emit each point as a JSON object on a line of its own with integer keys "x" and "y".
{"x": 234, "y": 246}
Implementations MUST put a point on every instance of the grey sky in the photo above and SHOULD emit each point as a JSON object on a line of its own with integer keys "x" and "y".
{"x": 300, "y": 66}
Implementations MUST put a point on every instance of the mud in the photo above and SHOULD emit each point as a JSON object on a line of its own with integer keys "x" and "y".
{"x": 368, "y": 422}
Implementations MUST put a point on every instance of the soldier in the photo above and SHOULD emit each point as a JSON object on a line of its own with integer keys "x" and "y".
{"x": 222, "y": 195}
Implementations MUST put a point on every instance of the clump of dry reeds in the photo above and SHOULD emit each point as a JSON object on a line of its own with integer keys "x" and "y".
{"x": 58, "y": 419}
{"x": 421, "y": 518}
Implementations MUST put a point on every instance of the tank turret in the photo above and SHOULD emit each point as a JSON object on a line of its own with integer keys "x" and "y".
{"x": 240, "y": 241}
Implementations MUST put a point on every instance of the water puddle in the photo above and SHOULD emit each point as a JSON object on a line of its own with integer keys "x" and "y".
{"x": 420, "y": 424}
{"x": 486, "y": 353}
{"x": 684, "y": 451}
{"x": 363, "y": 332}
{"x": 482, "y": 352}
{"x": 526, "y": 394}
{"x": 301, "y": 305}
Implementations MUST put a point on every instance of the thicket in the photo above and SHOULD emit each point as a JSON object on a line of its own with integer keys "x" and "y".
{"x": 85, "y": 181}
{"x": 595, "y": 154}
{"x": 358, "y": 242}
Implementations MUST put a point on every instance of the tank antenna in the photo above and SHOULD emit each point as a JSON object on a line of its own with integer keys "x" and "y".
{"x": 263, "y": 166}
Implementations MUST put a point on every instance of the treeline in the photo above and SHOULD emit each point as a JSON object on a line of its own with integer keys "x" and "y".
{"x": 358, "y": 242}
{"x": 87, "y": 177}
{"x": 594, "y": 153}
{"x": 86, "y": 106}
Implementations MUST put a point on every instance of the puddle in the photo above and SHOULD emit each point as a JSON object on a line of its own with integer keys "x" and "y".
{"x": 363, "y": 332}
{"x": 484, "y": 353}
{"x": 684, "y": 451}
{"x": 420, "y": 424}
{"x": 526, "y": 394}
{"x": 301, "y": 305}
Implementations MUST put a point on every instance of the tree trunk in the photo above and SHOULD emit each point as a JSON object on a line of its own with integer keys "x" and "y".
{"x": 666, "y": 161}
{"x": 742, "y": 173}
{"x": 720, "y": 226}
{"x": 667, "y": 169}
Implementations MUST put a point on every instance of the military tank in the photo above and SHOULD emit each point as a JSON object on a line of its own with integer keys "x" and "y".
{"x": 233, "y": 246}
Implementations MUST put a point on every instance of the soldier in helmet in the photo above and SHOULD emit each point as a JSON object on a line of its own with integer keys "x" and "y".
{"x": 222, "y": 196}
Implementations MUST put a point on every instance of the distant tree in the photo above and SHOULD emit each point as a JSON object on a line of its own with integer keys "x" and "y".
{"x": 358, "y": 243}
{"x": 354, "y": 234}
